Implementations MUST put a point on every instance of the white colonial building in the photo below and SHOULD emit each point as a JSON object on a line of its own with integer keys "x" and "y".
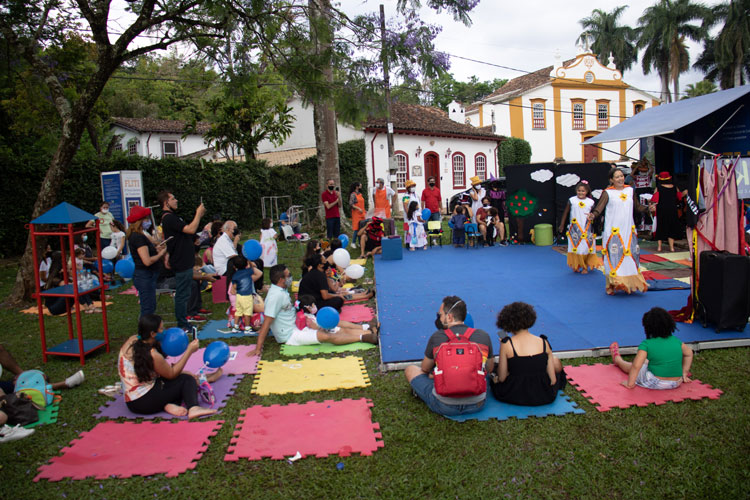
{"x": 558, "y": 107}
{"x": 428, "y": 142}
{"x": 156, "y": 138}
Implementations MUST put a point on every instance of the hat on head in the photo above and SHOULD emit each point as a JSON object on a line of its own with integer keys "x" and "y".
{"x": 410, "y": 183}
{"x": 664, "y": 176}
{"x": 137, "y": 213}
{"x": 475, "y": 180}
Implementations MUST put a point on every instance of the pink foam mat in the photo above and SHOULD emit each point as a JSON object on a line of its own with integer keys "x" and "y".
{"x": 357, "y": 313}
{"x": 223, "y": 388}
{"x": 601, "y": 384}
{"x": 129, "y": 291}
{"x": 312, "y": 429}
{"x": 242, "y": 364}
{"x": 113, "y": 449}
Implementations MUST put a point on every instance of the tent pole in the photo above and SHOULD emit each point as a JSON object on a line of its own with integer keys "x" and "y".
{"x": 615, "y": 152}
{"x": 722, "y": 125}
{"x": 686, "y": 145}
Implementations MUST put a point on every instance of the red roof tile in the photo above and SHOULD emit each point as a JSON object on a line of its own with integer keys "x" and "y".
{"x": 157, "y": 125}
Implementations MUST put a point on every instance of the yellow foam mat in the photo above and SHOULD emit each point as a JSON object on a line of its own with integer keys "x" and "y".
{"x": 301, "y": 375}
{"x": 674, "y": 256}
{"x": 361, "y": 262}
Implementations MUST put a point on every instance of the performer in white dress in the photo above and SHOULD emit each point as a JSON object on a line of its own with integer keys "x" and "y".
{"x": 620, "y": 250}
{"x": 581, "y": 238}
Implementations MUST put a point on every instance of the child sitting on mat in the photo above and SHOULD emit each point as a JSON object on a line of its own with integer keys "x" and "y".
{"x": 306, "y": 311}
{"x": 663, "y": 361}
{"x": 150, "y": 383}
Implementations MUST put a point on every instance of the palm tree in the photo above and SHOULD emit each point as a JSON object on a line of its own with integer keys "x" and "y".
{"x": 664, "y": 27}
{"x": 701, "y": 88}
{"x": 611, "y": 38}
{"x": 733, "y": 42}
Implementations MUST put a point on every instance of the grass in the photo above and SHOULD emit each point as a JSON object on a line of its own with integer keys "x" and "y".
{"x": 694, "y": 449}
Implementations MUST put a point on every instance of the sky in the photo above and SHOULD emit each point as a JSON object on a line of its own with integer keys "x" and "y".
{"x": 526, "y": 35}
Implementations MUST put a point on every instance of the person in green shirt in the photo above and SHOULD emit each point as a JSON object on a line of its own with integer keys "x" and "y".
{"x": 105, "y": 223}
{"x": 662, "y": 361}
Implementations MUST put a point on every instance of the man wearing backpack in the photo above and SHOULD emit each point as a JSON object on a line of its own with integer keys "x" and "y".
{"x": 452, "y": 377}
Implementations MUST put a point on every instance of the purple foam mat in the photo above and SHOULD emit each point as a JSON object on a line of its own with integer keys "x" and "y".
{"x": 223, "y": 388}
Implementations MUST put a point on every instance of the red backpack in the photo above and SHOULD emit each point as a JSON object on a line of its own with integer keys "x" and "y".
{"x": 459, "y": 367}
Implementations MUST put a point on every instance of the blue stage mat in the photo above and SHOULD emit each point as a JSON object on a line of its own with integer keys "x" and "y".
{"x": 217, "y": 329}
{"x": 493, "y": 408}
{"x": 572, "y": 309}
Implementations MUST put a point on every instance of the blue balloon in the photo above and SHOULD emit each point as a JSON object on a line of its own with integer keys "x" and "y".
{"x": 344, "y": 239}
{"x": 327, "y": 318}
{"x": 129, "y": 257}
{"x": 107, "y": 266}
{"x": 174, "y": 341}
{"x": 426, "y": 213}
{"x": 252, "y": 250}
{"x": 216, "y": 354}
{"x": 125, "y": 268}
{"x": 469, "y": 321}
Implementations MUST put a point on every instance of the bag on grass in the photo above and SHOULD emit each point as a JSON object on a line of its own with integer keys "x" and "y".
{"x": 19, "y": 408}
{"x": 459, "y": 367}
{"x": 34, "y": 384}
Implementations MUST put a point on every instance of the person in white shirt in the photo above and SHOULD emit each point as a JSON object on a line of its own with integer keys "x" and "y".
{"x": 226, "y": 246}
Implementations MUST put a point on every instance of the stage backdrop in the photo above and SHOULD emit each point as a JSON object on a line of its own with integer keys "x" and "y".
{"x": 567, "y": 175}
{"x": 533, "y": 187}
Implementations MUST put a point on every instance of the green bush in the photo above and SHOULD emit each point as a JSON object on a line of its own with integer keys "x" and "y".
{"x": 513, "y": 151}
{"x": 231, "y": 189}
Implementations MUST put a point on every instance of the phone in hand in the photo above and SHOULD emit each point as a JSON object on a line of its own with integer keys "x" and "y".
{"x": 165, "y": 241}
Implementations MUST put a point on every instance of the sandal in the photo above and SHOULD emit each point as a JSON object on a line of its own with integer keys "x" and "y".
{"x": 614, "y": 350}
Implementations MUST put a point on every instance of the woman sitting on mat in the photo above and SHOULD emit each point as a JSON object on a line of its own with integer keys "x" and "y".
{"x": 525, "y": 375}
{"x": 662, "y": 360}
{"x": 150, "y": 384}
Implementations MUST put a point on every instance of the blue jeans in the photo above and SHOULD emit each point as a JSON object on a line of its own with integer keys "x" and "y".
{"x": 333, "y": 227}
{"x": 183, "y": 280}
{"x": 145, "y": 282}
{"x": 424, "y": 385}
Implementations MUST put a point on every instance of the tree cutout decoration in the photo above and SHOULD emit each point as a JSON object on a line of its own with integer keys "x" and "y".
{"x": 522, "y": 204}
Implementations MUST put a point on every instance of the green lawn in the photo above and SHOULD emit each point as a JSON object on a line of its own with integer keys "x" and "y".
{"x": 694, "y": 449}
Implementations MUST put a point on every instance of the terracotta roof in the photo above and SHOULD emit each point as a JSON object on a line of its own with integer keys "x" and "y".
{"x": 200, "y": 153}
{"x": 289, "y": 157}
{"x": 519, "y": 85}
{"x": 157, "y": 125}
{"x": 428, "y": 120}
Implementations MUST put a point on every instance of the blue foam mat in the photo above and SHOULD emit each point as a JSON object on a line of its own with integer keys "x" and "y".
{"x": 493, "y": 408}
{"x": 210, "y": 330}
{"x": 572, "y": 309}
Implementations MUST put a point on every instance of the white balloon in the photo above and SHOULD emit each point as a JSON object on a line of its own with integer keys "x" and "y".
{"x": 355, "y": 271}
{"x": 341, "y": 257}
{"x": 109, "y": 253}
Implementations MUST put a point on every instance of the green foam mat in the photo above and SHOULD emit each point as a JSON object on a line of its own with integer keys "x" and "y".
{"x": 303, "y": 350}
{"x": 656, "y": 266}
{"x": 47, "y": 415}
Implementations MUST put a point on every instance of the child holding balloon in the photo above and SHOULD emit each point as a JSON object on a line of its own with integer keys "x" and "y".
{"x": 150, "y": 383}
{"x": 243, "y": 287}
{"x": 416, "y": 227}
{"x": 306, "y": 311}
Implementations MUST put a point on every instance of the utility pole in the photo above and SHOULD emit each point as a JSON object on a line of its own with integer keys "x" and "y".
{"x": 392, "y": 166}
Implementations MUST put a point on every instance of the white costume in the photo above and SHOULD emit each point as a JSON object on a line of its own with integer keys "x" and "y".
{"x": 620, "y": 250}
{"x": 581, "y": 238}
{"x": 270, "y": 248}
{"x": 417, "y": 235}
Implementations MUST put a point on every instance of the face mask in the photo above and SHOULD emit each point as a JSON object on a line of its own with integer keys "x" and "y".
{"x": 288, "y": 282}
{"x": 411, "y": 189}
{"x": 146, "y": 225}
{"x": 438, "y": 324}
{"x": 84, "y": 238}
{"x": 330, "y": 188}
{"x": 486, "y": 206}
{"x": 236, "y": 231}
{"x": 105, "y": 210}
{"x": 432, "y": 184}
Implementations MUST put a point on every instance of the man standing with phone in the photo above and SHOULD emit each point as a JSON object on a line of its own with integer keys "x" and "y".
{"x": 331, "y": 202}
{"x": 181, "y": 251}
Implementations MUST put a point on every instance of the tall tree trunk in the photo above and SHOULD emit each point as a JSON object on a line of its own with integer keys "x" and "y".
{"x": 666, "y": 96}
{"x": 676, "y": 82}
{"x": 737, "y": 70}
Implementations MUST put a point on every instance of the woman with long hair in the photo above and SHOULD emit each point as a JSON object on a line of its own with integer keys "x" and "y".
{"x": 146, "y": 257}
{"x": 357, "y": 204}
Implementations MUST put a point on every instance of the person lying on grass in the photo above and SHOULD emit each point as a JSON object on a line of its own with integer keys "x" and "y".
{"x": 280, "y": 317}
{"x": 663, "y": 361}
{"x": 306, "y": 311}
{"x": 150, "y": 383}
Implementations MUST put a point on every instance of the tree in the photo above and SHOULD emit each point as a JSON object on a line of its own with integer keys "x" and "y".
{"x": 29, "y": 27}
{"x": 664, "y": 27}
{"x": 701, "y": 88}
{"x": 445, "y": 88}
{"x": 611, "y": 38}
{"x": 732, "y": 45}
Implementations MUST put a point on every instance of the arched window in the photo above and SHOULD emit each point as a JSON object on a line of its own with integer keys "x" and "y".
{"x": 480, "y": 166}
{"x": 459, "y": 171}
{"x": 403, "y": 170}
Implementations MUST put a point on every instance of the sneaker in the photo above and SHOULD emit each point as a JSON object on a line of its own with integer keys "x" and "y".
{"x": 196, "y": 318}
{"x": 354, "y": 245}
{"x": 75, "y": 379}
{"x": 504, "y": 243}
{"x": 8, "y": 433}
{"x": 248, "y": 329}
{"x": 236, "y": 330}
{"x": 204, "y": 311}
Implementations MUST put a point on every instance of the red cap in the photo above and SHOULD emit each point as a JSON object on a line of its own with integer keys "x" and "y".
{"x": 137, "y": 213}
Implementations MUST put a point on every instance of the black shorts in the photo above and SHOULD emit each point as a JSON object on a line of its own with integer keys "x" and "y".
{"x": 371, "y": 244}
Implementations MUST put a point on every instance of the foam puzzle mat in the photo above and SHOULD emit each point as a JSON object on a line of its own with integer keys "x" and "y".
{"x": 301, "y": 375}
{"x": 223, "y": 389}
{"x": 304, "y": 350}
{"x": 498, "y": 410}
{"x": 239, "y": 362}
{"x": 312, "y": 429}
{"x": 601, "y": 385}
{"x": 116, "y": 450}
{"x": 217, "y": 329}
{"x": 357, "y": 313}
{"x": 47, "y": 415}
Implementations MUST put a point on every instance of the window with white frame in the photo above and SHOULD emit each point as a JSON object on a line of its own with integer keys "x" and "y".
{"x": 118, "y": 146}
{"x": 403, "y": 171}
{"x": 480, "y": 166}
{"x": 168, "y": 149}
{"x": 538, "y": 118}
{"x": 602, "y": 115}
{"x": 133, "y": 147}
{"x": 459, "y": 171}
{"x": 579, "y": 120}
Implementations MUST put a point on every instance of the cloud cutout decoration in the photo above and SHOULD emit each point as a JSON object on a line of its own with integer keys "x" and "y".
{"x": 542, "y": 175}
{"x": 568, "y": 180}
{"x": 596, "y": 193}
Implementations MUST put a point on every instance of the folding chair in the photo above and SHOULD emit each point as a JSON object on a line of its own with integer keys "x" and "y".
{"x": 435, "y": 230}
{"x": 290, "y": 237}
{"x": 472, "y": 234}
